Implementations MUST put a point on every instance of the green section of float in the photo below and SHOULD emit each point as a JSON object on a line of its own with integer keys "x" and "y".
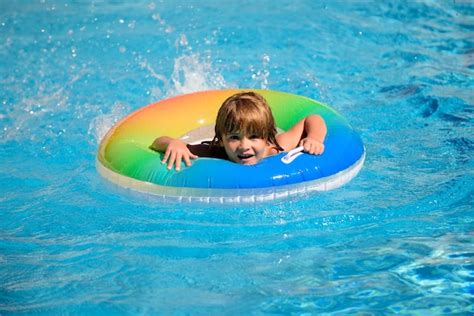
{"x": 288, "y": 109}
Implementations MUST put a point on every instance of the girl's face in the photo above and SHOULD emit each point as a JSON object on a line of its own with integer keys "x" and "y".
{"x": 244, "y": 149}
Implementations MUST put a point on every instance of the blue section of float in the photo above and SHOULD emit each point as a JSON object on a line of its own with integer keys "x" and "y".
{"x": 343, "y": 149}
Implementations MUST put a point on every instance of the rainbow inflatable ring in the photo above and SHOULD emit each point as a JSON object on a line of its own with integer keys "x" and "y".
{"x": 125, "y": 159}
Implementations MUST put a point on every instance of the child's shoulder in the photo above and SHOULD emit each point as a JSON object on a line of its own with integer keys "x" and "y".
{"x": 273, "y": 150}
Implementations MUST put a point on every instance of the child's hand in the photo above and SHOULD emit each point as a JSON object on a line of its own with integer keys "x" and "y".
{"x": 312, "y": 146}
{"x": 175, "y": 152}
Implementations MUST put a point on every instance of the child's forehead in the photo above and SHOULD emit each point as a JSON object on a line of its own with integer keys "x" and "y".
{"x": 245, "y": 131}
{"x": 242, "y": 126}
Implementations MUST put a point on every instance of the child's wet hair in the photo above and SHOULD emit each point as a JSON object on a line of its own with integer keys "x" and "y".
{"x": 246, "y": 112}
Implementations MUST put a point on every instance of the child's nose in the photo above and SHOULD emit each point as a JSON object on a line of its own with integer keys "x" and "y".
{"x": 245, "y": 143}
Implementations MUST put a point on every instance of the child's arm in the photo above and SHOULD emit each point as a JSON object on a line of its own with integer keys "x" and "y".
{"x": 309, "y": 133}
{"x": 175, "y": 150}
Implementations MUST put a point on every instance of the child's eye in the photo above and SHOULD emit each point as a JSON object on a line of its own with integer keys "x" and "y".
{"x": 233, "y": 137}
{"x": 254, "y": 136}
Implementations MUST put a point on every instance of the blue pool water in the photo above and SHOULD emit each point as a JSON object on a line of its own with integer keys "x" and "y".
{"x": 398, "y": 239}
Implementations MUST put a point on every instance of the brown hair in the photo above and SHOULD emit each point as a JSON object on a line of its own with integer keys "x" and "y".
{"x": 248, "y": 112}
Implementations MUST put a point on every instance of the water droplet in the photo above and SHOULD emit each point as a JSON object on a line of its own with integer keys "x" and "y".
{"x": 183, "y": 41}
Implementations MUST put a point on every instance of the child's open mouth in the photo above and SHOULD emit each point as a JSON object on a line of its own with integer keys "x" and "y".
{"x": 245, "y": 157}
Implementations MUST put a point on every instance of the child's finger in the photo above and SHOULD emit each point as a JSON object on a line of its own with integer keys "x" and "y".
{"x": 305, "y": 144}
{"x": 319, "y": 149}
{"x": 179, "y": 156}
{"x": 171, "y": 160}
{"x": 187, "y": 160}
{"x": 166, "y": 156}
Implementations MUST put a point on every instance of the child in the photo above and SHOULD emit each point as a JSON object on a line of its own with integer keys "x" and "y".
{"x": 245, "y": 133}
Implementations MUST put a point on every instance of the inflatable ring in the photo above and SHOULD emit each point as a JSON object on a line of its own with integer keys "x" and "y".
{"x": 124, "y": 156}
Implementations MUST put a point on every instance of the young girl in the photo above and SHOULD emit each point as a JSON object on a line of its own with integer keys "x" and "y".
{"x": 245, "y": 133}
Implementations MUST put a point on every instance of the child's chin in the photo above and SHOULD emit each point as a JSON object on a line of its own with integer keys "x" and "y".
{"x": 248, "y": 162}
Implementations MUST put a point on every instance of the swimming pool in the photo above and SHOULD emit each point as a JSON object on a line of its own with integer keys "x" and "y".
{"x": 398, "y": 239}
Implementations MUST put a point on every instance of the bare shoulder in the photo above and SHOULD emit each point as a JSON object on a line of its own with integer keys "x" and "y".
{"x": 272, "y": 150}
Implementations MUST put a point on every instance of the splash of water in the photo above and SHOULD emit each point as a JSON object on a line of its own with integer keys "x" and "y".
{"x": 30, "y": 119}
{"x": 190, "y": 74}
{"x": 262, "y": 74}
{"x": 100, "y": 125}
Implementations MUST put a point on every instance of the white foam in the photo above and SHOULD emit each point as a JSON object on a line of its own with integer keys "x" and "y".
{"x": 261, "y": 75}
{"x": 191, "y": 74}
{"x": 29, "y": 119}
{"x": 100, "y": 125}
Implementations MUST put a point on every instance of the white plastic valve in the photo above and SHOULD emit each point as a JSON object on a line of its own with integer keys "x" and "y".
{"x": 292, "y": 155}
